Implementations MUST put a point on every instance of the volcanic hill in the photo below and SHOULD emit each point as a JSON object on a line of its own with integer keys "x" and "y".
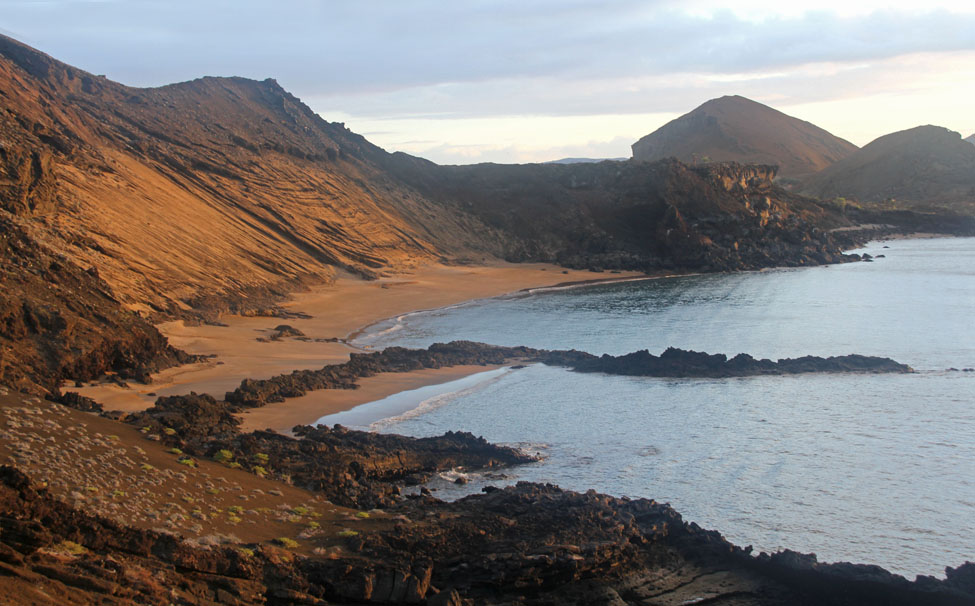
{"x": 734, "y": 128}
{"x": 922, "y": 166}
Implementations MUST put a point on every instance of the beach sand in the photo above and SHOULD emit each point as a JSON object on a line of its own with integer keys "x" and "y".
{"x": 340, "y": 311}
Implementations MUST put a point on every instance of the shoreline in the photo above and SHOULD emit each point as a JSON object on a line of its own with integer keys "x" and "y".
{"x": 339, "y": 311}
{"x": 349, "y": 308}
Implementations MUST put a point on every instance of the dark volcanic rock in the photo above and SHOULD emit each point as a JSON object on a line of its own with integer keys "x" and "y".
{"x": 58, "y": 321}
{"x": 358, "y": 469}
{"x": 253, "y": 393}
{"x": 528, "y": 544}
{"x": 680, "y": 363}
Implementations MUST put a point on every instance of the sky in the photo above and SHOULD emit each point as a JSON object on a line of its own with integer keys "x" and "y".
{"x": 463, "y": 81}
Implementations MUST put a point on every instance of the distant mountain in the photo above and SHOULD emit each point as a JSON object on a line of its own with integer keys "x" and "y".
{"x": 584, "y": 160}
{"x": 971, "y": 139}
{"x": 926, "y": 164}
{"x": 739, "y": 129}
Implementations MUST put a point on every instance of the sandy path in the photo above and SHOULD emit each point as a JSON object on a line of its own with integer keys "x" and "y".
{"x": 338, "y": 310}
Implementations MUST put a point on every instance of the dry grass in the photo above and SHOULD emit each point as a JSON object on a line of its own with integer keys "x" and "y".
{"x": 113, "y": 470}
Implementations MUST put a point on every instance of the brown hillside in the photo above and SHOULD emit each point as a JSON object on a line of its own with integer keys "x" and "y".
{"x": 734, "y": 128}
{"x": 923, "y": 165}
{"x": 216, "y": 187}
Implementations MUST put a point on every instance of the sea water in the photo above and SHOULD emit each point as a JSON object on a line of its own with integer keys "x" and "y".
{"x": 874, "y": 469}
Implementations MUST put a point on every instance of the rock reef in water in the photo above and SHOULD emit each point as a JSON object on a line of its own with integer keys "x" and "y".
{"x": 679, "y": 363}
{"x": 672, "y": 363}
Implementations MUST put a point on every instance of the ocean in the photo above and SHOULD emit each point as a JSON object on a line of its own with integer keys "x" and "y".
{"x": 876, "y": 469}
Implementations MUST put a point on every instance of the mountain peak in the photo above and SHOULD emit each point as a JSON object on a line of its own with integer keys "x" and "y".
{"x": 735, "y": 128}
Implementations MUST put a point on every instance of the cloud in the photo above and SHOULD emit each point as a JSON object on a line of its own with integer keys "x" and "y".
{"x": 334, "y": 48}
{"x": 389, "y": 64}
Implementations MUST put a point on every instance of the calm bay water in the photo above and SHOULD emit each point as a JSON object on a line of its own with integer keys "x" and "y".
{"x": 874, "y": 469}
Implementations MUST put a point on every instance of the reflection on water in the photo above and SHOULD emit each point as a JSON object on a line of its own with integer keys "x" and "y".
{"x": 853, "y": 467}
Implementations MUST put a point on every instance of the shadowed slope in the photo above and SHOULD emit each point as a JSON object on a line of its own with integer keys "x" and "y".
{"x": 922, "y": 165}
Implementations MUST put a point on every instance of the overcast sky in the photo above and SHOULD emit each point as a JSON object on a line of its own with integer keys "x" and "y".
{"x": 460, "y": 81}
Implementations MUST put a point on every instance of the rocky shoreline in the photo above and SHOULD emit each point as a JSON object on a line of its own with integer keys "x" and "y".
{"x": 673, "y": 362}
{"x": 527, "y": 544}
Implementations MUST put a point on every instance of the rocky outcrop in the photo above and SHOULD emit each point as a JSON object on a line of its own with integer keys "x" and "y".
{"x": 362, "y": 469}
{"x": 58, "y": 321}
{"x": 27, "y": 183}
{"x": 672, "y": 363}
{"x": 680, "y": 363}
{"x": 253, "y": 393}
{"x": 635, "y": 215}
{"x": 523, "y": 544}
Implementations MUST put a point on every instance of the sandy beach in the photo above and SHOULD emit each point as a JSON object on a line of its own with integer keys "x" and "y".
{"x": 339, "y": 310}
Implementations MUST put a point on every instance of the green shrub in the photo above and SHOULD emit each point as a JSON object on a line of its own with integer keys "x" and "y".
{"x": 286, "y": 542}
{"x": 223, "y": 456}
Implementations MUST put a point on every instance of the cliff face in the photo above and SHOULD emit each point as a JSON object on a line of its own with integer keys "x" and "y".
{"x": 634, "y": 215}
{"x": 923, "y": 166}
{"x": 741, "y": 130}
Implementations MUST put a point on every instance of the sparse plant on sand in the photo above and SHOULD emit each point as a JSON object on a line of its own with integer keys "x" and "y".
{"x": 223, "y": 456}
{"x": 286, "y": 542}
{"x": 348, "y": 533}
